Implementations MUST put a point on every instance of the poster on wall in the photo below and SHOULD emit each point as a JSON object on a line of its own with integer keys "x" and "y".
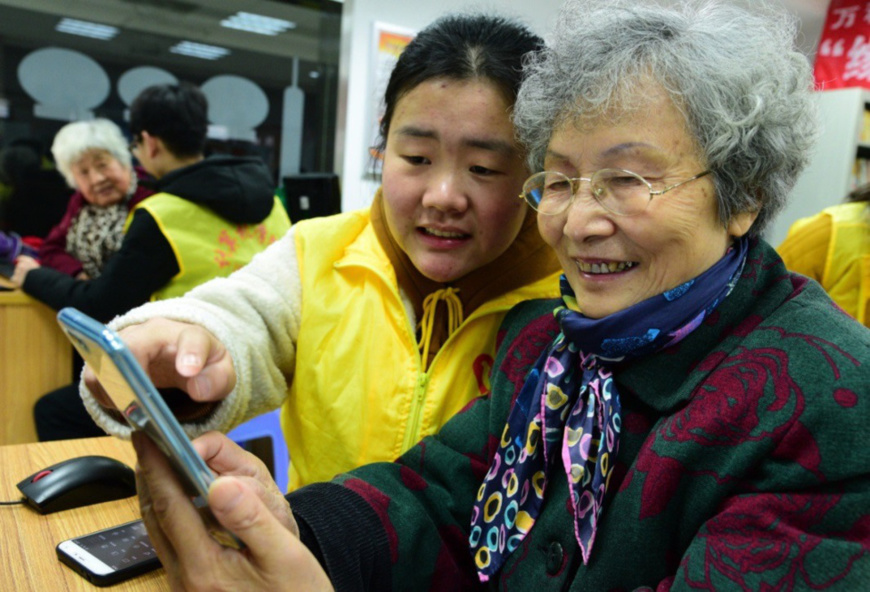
{"x": 843, "y": 55}
{"x": 388, "y": 42}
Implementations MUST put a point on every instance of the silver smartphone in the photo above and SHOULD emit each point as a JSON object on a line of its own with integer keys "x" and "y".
{"x": 133, "y": 393}
{"x": 111, "y": 555}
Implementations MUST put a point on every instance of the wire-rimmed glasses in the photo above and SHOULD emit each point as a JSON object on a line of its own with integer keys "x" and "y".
{"x": 618, "y": 191}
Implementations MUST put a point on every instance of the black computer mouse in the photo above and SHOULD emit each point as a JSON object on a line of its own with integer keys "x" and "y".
{"x": 78, "y": 482}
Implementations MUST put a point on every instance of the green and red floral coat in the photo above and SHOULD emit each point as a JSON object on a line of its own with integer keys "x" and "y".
{"x": 744, "y": 464}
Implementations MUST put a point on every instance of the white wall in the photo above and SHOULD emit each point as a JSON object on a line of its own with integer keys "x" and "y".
{"x": 354, "y": 95}
{"x": 354, "y": 98}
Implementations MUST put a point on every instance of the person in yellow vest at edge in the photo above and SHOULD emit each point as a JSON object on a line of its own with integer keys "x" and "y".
{"x": 833, "y": 248}
{"x": 209, "y": 217}
{"x": 372, "y": 328}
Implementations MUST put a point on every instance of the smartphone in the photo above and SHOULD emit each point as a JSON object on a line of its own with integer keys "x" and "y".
{"x": 112, "y": 555}
{"x": 140, "y": 403}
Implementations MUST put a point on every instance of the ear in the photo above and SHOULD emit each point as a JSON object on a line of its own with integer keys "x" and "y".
{"x": 152, "y": 145}
{"x": 741, "y": 223}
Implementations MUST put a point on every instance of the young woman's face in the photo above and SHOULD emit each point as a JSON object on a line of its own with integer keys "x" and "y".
{"x": 452, "y": 175}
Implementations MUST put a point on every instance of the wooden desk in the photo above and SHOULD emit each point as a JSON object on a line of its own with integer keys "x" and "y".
{"x": 35, "y": 358}
{"x": 28, "y": 562}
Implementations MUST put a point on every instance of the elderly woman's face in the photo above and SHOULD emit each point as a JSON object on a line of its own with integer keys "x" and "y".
{"x": 611, "y": 261}
{"x": 102, "y": 180}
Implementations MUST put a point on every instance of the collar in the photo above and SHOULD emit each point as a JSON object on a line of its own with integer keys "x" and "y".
{"x": 526, "y": 260}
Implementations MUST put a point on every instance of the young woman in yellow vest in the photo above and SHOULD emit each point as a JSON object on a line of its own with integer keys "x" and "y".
{"x": 372, "y": 328}
{"x": 208, "y": 218}
{"x": 833, "y": 248}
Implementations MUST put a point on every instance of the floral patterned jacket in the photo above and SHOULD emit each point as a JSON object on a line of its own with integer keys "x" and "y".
{"x": 744, "y": 464}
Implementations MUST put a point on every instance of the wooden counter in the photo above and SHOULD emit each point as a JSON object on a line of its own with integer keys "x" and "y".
{"x": 29, "y": 562}
{"x": 35, "y": 358}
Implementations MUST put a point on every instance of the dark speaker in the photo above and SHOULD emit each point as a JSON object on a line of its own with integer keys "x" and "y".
{"x": 310, "y": 195}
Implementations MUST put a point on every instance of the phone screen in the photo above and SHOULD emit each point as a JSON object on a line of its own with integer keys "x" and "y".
{"x": 120, "y": 547}
{"x": 111, "y": 555}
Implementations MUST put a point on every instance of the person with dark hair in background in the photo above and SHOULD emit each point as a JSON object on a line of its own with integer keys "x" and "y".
{"x": 209, "y": 217}
{"x": 833, "y": 248}
{"x": 373, "y": 327}
{"x": 36, "y": 195}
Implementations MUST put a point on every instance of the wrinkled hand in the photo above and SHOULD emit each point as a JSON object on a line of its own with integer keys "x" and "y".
{"x": 178, "y": 355}
{"x": 23, "y": 264}
{"x": 246, "y": 501}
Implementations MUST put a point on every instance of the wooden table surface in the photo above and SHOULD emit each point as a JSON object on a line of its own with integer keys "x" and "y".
{"x": 35, "y": 358}
{"x": 28, "y": 561}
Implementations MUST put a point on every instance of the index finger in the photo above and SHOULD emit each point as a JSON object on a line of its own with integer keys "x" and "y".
{"x": 154, "y": 344}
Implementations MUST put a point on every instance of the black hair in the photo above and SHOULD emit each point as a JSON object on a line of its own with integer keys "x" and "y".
{"x": 18, "y": 161}
{"x": 859, "y": 194}
{"x": 461, "y": 47}
{"x": 175, "y": 113}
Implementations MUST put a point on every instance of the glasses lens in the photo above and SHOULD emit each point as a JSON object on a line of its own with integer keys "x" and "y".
{"x": 621, "y": 192}
{"x": 548, "y": 192}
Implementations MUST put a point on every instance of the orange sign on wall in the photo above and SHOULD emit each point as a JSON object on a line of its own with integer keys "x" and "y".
{"x": 843, "y": 56}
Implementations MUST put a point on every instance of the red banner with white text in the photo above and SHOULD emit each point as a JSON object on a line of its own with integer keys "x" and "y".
{"x": 843, "y": 55}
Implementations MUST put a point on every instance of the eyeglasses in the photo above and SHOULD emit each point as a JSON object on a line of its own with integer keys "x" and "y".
{"x": 134, "y": 143}
{"x": 618, "y": 191}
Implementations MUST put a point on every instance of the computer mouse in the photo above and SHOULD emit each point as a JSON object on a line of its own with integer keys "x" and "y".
{"x": 77, "y": 482}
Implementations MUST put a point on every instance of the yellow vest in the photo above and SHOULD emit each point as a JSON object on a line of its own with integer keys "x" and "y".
{"x": 206, "y": 245}
{"x": 359, "y": 394}
{"x": 847, "y": 266}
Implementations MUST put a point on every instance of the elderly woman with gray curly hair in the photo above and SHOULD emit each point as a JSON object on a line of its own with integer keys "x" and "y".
{"x": 689, "y": 415}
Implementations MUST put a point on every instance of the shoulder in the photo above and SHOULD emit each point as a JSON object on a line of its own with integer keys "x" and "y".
{"x": 142, "y": 226}
{"x": 806, "y": 360}
{"x": 332, "y": 233}
{"x": 809, "y": 310}
{"x": 336, "y": 224}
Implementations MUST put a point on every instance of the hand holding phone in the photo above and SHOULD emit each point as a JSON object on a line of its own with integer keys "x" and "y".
{"x": 135, "y": 396}
{"x": 247, "y": 501}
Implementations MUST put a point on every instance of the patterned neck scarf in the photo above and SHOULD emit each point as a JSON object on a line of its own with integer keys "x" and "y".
{"x": 96, "y": 232}
{"x": 569, "y": 409}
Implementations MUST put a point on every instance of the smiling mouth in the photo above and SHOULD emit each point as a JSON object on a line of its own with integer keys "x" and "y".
{"x": 605, "y": 268}
{"x": 443, "y": 233}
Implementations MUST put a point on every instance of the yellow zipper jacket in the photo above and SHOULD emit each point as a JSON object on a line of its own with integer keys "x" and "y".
{"x": 359, "y": 393}
{"x": 316, "y": 324}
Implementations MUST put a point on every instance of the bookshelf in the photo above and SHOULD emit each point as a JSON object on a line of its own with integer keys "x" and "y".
{"x": 840, "y": 157}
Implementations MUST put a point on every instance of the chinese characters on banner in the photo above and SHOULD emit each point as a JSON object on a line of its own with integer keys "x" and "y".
{"x": 843, "y": 56}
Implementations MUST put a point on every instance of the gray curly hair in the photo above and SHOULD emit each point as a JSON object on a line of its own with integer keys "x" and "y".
{"x": 746, "y": 93}
{"x": 77, "y": 138}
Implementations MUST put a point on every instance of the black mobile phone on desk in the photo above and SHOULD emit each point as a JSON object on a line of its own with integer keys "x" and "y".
{"x": 112, "y": 555}
{"x": 133, "y": 393}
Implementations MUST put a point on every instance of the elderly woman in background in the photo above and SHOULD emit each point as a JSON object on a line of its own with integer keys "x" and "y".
{"x": 94, "y": 159}
{"x": 689, "y": 415}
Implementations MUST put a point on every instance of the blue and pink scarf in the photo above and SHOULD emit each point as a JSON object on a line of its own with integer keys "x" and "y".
{"x": 569, "y": 409}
